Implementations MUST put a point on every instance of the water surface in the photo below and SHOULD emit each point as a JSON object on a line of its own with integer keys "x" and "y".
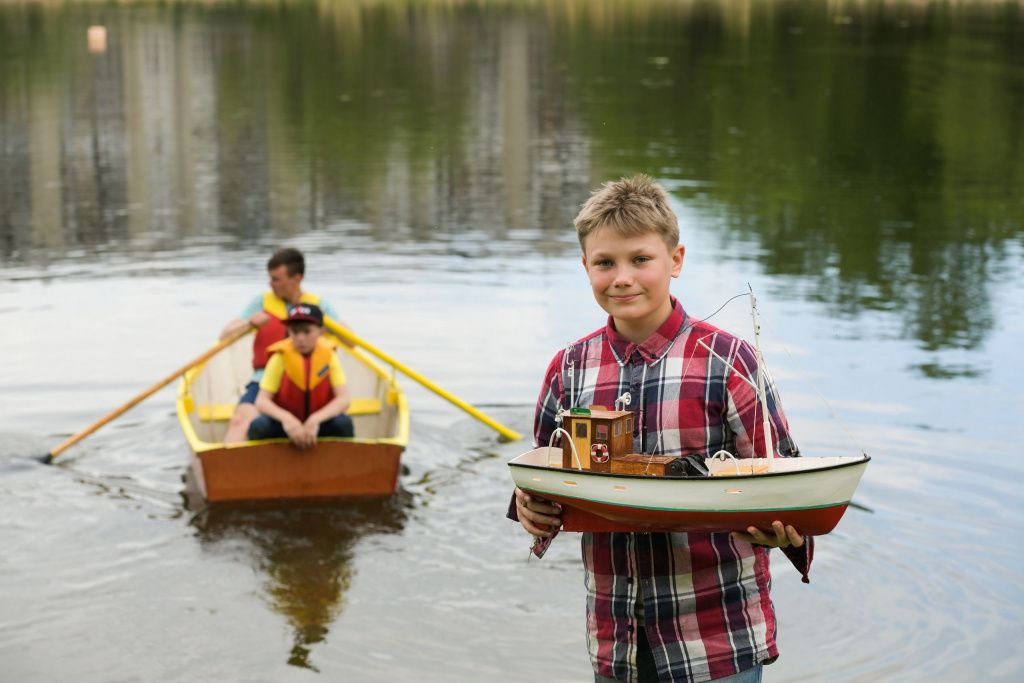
{"x": 860, "y": 164}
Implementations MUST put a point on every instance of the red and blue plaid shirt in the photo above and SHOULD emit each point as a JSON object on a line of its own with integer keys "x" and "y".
{"x": 701, "y": 598}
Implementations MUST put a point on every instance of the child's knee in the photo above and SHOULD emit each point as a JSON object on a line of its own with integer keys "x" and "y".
{"x": 340, "y": 425}
{"x": 260, "y": 428}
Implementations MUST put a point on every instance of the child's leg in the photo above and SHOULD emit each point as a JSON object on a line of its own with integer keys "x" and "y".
{"x": 264, "y": 427}
{"x": 245, "y": 413}
{"x": 339, "y": 425}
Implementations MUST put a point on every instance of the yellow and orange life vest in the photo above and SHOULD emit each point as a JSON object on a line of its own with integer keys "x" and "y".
{"x": 306, "y": 382}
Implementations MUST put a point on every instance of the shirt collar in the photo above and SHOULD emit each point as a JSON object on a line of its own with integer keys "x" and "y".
{"x": 659, "y": 341}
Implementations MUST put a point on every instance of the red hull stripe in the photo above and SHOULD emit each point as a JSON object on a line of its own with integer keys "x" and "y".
{"x": 585, "y": 515}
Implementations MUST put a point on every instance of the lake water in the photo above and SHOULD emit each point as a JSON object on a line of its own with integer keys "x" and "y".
{"x": 860, "y": 164}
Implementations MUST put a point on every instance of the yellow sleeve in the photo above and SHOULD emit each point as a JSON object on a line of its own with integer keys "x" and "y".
{"x": 337, "y": 374}
{"x": 272, "y": 374}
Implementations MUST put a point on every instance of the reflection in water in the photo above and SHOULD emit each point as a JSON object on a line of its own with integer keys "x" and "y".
{"x": 871, "y": 151}
{"x": 306, "y": 553}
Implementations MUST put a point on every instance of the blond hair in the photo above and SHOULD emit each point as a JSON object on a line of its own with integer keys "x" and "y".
{"x": 631, "y": 207}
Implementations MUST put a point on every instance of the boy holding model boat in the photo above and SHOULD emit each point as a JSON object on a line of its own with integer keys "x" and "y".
{"x": 664, "y": 606}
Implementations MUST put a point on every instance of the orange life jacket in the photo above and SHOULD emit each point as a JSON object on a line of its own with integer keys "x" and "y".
{"x": 306, "y": 382}
{"x": 274, "y": 330}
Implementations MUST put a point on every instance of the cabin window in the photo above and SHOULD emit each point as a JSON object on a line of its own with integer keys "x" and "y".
{"x": 629, "y": 423}
{"x": 617, "y": 429}
{"x": 601, "y": 432}
{"x": 581, "y": 430}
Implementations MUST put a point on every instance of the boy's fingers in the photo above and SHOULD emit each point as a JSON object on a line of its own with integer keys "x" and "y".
{"x": 755, "y": 535}
{"x": 537, "y": 515}
{"x": 536, "y": 505}
{"x": 544, "y": 508}
{"x": 547, "y": 520}
{"x": 545, "y": 527}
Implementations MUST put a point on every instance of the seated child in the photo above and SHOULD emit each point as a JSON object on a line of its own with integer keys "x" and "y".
{"x": 302, "y": 394}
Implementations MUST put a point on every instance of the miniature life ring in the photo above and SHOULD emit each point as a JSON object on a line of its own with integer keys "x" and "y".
{"x": 599, "y": 453}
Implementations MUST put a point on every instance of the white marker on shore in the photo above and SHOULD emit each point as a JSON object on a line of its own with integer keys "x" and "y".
{"x": 97, "y": 37}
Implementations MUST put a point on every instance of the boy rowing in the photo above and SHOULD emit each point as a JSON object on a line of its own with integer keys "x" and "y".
{"x": 664, "y": 606}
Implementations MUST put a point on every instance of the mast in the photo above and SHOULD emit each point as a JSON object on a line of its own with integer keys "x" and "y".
{"x": 769, "y": 447}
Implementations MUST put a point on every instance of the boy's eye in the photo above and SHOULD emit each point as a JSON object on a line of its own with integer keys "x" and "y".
{"x": 641, "y": 259}
{"x": 604, "y": 263}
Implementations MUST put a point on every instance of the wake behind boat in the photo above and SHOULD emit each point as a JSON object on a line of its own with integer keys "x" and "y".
{"x": 364, "y": 466}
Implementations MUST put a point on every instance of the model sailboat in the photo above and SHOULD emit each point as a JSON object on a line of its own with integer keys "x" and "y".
{"x": 602, "y": 486}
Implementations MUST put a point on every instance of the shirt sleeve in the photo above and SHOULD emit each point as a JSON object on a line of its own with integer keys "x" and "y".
{"x": 329, "y": 310}
{"x": 337, "y": 374}
{"x": 745, "y": 417}
{"x": 548, "y": 405}
{"x": 254, "y": 307}
{"x": 271, "y": 381}
{"x": 801, "y": 557}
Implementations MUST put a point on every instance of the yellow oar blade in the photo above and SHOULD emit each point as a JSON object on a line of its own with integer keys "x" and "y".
{"x": 353, "y": 338}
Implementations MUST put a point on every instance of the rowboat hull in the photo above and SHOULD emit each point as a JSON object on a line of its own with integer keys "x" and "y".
{"x": 810, "y": 493}
{"x": 277, "y": 470}
{"x": 363, "y": 467}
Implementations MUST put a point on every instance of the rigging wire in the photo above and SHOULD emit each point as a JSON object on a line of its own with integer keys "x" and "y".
{"x": 835, "y": 416}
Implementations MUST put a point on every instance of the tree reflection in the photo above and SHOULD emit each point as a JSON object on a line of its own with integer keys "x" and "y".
{"x": 870, "y": 151}
{"x": 306, "y": 554}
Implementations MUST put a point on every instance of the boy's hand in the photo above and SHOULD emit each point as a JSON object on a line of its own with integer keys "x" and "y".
{"x": 538, "y": 516}
{"x": 296, "y": 432}
{"x": 778, "y": 537}
{"x": 311, "y": 427}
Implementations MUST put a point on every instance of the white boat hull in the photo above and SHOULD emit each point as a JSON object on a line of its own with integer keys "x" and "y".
{"x": 810, "y": 493}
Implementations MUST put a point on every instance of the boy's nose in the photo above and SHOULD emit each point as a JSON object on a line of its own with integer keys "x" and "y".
{"x": 623, "y": 278}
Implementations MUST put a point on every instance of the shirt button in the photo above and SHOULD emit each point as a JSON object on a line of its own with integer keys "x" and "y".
{"x": 629, "y": 579}
{"x": 630, "y": 628}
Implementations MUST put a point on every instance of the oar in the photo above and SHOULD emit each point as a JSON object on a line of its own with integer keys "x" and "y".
{"x": 71, "y": 441}
{"x": 353, "y": 338}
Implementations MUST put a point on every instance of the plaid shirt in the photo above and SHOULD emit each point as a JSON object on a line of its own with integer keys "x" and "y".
{"x": 701, "y": 598}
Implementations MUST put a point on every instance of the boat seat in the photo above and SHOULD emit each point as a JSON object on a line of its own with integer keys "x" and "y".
{"x": 222, "y": 412}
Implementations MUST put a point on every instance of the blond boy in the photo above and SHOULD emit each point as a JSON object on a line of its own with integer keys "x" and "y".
{"x": 661, "y": 606}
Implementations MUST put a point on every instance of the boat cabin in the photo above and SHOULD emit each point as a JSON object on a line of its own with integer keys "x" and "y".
{"x": 598, "y": 434}
{"x": 604, "y": 442}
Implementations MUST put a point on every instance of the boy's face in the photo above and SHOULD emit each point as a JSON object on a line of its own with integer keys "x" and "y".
{"x": 630, "y": 278}
{"x": 304, "y": 336}
{"x": 285, "y": 286}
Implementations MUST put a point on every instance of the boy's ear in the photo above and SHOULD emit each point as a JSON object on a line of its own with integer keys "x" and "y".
{"x": 677, "y": 260}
